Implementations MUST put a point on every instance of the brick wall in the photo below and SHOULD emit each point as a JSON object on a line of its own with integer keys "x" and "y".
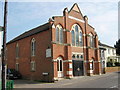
{"x": 43, "y": 64}
{"x": 112, "y": 69}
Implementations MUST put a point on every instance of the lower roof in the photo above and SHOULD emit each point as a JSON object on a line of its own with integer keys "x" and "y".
{"x": 31, "y": 32}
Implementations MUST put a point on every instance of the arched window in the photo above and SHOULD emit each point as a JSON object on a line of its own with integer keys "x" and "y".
{"x": 59, "y": 34}
{"x": 76, "y": 34}
{"x": 33, "y": 47}
{"x": 17, "y": 50}
{"x": 73, "y": 38}
{"x": 60, "y": 67}
{"x": 81, "y": 39}
{"x": 91, "y": 40}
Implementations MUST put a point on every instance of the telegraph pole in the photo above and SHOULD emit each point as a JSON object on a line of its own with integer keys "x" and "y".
{"x": 4, "y": 47}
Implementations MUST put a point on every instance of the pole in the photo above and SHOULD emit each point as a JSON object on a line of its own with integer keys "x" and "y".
{"x": 4, "y": 47}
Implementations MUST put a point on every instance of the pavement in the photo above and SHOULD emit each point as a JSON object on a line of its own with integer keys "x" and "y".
{"x": 109, "y": 80}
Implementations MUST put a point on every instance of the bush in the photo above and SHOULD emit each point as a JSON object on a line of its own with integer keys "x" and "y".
{"x": 117, "y": 64}
{"x": 109, "y": 64}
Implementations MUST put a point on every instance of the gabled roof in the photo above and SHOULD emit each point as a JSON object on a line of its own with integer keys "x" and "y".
{"x": 104, "y": 45}
{"x": 36, "y": 30}
{"x": 76, "y": 8}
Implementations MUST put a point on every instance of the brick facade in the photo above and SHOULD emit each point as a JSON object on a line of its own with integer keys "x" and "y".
{"x": 60, "y": 63}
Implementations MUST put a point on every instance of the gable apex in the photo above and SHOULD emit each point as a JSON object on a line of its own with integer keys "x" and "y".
{"x": 75, "y": 7}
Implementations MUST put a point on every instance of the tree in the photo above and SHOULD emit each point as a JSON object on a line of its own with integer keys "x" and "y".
{"x": 117, "y": 46}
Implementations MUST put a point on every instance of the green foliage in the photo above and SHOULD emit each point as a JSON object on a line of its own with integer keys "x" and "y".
{"x": 117, "y": 64}
{"x": 109, "y": 64}
{"x": 117, "y": 46}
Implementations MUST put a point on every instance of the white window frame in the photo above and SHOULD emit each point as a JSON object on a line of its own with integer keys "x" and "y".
{"x": 92, "y": 65}
{"x": 79, "y": 31}
{"x": 59, "y": 59}
{"x": 59, "y": 32}
{"x": 91, "y": 40}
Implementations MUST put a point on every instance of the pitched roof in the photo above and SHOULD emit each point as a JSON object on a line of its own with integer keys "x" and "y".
{"x": 76, "y": 8}
{"x": 101, "y": 44}
{"x": 33, "y": 31}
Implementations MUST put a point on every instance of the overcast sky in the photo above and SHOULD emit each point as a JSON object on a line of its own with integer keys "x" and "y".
{"x": 23, "y": 16}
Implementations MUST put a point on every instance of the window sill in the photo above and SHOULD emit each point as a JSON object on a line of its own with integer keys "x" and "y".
{"x": 65, "y": 44}
{"x": 77, "y": 46}
{"x": 32, "y": 55}
{"x": 17, "y": 57}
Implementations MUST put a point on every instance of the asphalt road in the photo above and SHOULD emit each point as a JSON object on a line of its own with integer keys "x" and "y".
{"x": 109, "y": 80}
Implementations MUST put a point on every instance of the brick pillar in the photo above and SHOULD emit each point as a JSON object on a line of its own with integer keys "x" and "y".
{"x": 98, "y": 63}
{"x": 86, "y": 51}
{"x": 55, "y": 74}
{"x": 67, "y": 39}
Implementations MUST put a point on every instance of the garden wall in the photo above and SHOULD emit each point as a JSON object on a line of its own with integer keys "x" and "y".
{"x": 112, "y": 69}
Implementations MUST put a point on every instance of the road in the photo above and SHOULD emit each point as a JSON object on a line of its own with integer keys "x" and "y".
{"x": 109, "y": 80}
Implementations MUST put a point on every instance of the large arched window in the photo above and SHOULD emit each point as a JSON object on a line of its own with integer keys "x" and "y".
{"x": 76, "y": 34}
{"x": 33, "y": 47}
{"x": 91, "y": 40}
{"x": 81, "y": 39}
{"x": 59, "y": 34}
{"x": 73, "y": 37}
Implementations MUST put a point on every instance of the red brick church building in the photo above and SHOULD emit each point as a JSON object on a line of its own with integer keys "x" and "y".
{"x": 64, "y": 47}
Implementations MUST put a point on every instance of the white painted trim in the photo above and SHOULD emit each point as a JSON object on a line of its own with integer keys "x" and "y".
{"x": 77, "y": 53}
{"x": 67, "y": 60}
{"x": 55, "y": 78}
{"x": 71, "y": 17}
{"x": 85, "y": 61}
{"x": 90, "y": 71}
{"x": 100, "y": 61}
{"x": 84, "y": 47}
{"x": 97, "y": 61}
{"x": 84, "y": 34}
{"x": 53, "y": 26}
{"x": 54, "y": 60}
{"x": 64, "y": 30}
{"x": 69, "y": 72}
{"x": 70, "y": 65}
{"x": 77, "y": 46}
{"x": 91, "y": 61}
